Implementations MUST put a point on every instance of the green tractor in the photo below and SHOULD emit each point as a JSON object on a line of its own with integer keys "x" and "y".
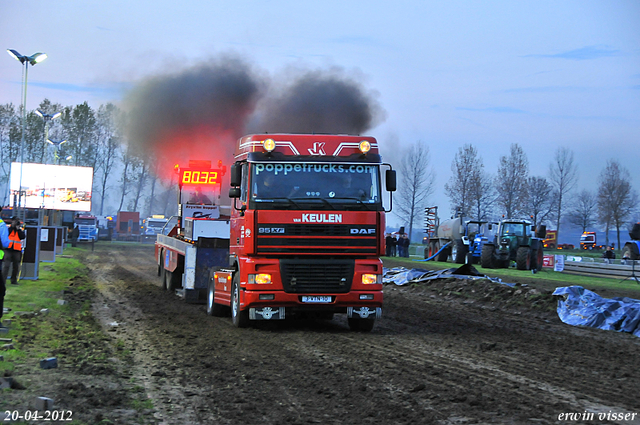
{"x": 514, "y": 241}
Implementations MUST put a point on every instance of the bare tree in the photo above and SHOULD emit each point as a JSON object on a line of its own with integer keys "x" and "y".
{"x": 616, "y": 199}
{"x": 583, "y": 213}
{"x": 511, "y": 182}
{"x": 563, "y": 176}
{"x": 483, "y": 195}
{"x": 417, "y": 179}
{"x": 141, "y": 178}
{"x": 9, "y": 143}
{"x": 541, "y": 202}
{"x": 130, "y": 163}
{"x": 80, "y": 126}
{"x": 108, "y": 133}
{"x": 465, "y": 168}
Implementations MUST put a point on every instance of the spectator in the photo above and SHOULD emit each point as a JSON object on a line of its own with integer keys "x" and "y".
{"x": 394, "y": 246}
{"x": 13, "y": 253}
{"x": 388, "y": 244}
{"x": 609, "y": 255}
{"x": 405, "y": 242}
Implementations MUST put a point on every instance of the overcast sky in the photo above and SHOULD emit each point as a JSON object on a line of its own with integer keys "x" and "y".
{"x": 542, "y": 74}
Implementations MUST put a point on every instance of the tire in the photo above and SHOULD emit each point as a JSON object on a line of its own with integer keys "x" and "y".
{"x": 239, "y": 318}
{"x": 214, "y": 309}
{"x": 433, "y": 248}
{"x": 444, "y": 254}
{"x": 523, "y": 258}
{"x": 361, "y": 325}
{"x": 487, "y": 259}
{"x": 173, "y": 280}
{"x": 459, "y": 252}
{"x": 160, "y": 263}
{"x": 539, "y": 260}
{"x": 163, "y": 277}
{"x": 630, "y": 251}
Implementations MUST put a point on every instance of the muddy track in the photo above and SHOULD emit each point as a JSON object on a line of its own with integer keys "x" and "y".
{"x": 431, "y": 359}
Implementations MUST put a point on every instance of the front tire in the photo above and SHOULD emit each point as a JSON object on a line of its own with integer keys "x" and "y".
{"x": 239, "y": 318}
{"x": 523, "y": 258}
{"x": 487, "y": 259}
{"x": 361, "y": 325}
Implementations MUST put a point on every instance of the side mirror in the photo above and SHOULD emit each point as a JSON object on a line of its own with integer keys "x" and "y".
{"x": 236, "y": 175}
{"x": 541, "y": 231}
{"x": 234, "y": 192}
{"x": 390, "y": 177}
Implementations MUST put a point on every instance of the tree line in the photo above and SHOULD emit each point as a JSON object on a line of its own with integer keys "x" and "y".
{"x": 513, "y": 193}
{"x": 123, "y": 177}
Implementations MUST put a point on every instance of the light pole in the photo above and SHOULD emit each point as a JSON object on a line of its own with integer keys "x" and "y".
{"x": 57, "y": 146}
{"x": 47, "y": 118}
{"x": 25, "y": 60}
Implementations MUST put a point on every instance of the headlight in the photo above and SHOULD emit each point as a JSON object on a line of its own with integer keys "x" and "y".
{"x": 269, "y": 145}
{"x": 260, "y": 278}
{"x": 371, "y": 279}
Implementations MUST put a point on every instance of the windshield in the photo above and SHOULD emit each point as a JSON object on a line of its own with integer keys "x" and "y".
{"x": 86, "y": 221}
{"x": 157, "y": 224}
{"x": 328, "y": 184}
{"x": 513, "y": 229}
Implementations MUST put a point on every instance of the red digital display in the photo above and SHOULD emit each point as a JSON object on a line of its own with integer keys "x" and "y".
{"x": 198, "y": 177}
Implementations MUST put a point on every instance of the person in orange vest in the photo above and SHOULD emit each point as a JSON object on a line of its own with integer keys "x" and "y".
{"x": 13, "y": 253}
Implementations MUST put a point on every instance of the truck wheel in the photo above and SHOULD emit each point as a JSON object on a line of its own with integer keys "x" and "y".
{"x": 361, "y": 325}
{"x": 487, "y": 259}
{"x": 459, "y": 252}
{"x": 630, "y": 251}
{"x": 444, "y": 254}
{"x": 214, "y": 309}
{"x": 160, "y": 263}
{"x": 163, "y": 278}
{"x": 523, "y": 258}
{"x": 239, "y": 318}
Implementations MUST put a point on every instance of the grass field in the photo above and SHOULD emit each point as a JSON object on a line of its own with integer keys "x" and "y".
{"x": 546, "y": 274}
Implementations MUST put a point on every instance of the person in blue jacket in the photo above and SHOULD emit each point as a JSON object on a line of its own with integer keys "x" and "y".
{"x": 4, "y": 239}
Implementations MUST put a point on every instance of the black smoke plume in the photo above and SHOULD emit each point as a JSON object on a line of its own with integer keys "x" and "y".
{"x": 199, "y": 112}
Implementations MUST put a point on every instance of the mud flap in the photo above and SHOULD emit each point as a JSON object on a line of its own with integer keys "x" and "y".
{"x": 266, "y": 313}
{"x": 364, "y": 312}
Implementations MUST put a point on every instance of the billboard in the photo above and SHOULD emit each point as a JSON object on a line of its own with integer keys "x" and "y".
{"x": 55, "y": 187}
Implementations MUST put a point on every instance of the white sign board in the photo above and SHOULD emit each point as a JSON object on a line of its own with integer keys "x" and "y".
{"x": 559, "y": 265}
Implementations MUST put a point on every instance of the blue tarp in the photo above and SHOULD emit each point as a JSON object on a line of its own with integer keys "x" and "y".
{"x": 401, "y": 276}
{"x": 581, "y": 307}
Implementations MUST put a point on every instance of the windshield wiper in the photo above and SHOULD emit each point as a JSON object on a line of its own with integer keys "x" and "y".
{"x": 353, "y": 198}
{"x": 317, "y": 199}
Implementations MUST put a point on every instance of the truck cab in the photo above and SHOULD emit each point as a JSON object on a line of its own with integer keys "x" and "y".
{"x": 87, "y": 228}
{"x": 306, "y": 228}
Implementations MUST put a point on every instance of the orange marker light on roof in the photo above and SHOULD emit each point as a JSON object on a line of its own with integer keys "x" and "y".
{"x": 269, "y": 145}
{"x": 364, "y": 146}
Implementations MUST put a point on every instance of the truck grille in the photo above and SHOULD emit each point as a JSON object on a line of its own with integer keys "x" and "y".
{"x": 316, "y": 276}
{"x": 320, "y": 239}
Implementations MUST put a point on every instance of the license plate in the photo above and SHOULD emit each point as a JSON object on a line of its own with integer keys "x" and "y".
{"x": 316, "y": 299}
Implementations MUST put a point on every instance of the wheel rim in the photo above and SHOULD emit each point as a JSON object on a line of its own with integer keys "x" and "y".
{"x": 234, "y": 308}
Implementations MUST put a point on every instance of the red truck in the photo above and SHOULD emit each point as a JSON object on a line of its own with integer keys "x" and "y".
{"x": 303, "y": 236}
{"x": 128, "y": 226}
